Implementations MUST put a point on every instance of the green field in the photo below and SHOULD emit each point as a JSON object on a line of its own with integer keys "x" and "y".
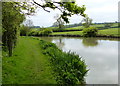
{"x": 102, "y": 30}
{"x": 74, "y": 28}
{"x": 68, "y": 33}
{"x": 98, "y": 26}
{"x": 55, "y": 28}
{"x": 27, "y": 65}
{"x": 110, "y": 31}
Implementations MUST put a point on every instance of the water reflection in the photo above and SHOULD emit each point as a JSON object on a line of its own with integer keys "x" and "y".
{"x": 102, "y": 59}
{"x": 90, "y": 42}
{"x": 60, "y": 43}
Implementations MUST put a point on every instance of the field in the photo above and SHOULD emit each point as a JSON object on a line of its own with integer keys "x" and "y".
{"x": 81, "y": 27}
{"x": 111, "y": 31}
{"x": 68, "y": 33}
{"x": 102, "y": 30}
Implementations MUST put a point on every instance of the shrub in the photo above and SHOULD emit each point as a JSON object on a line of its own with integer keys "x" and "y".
{"x": 69, "y": 68}
{"x": 24, "y": 30}
{"x": 41, "y": 32}
{"x": 33, "y": 33}
{"x": 90, "y": 32}
{"x": 45, "y": 32}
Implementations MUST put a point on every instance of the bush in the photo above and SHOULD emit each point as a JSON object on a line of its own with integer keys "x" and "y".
{"x": 90, "y": 32}
{"x": 33, "y": 33}
{"x": 69, "y": 68}
{"x": 45, "y": 32}
{"x": 24, "y": 30}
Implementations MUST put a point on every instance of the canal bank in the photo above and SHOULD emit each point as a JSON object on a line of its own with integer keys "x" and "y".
{"x": 100, "y": 54}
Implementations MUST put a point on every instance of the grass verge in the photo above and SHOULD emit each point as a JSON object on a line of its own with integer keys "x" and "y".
{"x": 27, "y": 65}
{"x": 36, "y": 61}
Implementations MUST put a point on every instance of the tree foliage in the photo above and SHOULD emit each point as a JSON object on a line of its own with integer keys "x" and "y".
{"x": 90, "y": 32}
{"x": 66, "y": 8}
{"x": 12, "y": 17}
{"x": 87, "y": 22}
{"x": 59, "y": 21}
{"x": 28, "y": 23}
{"x": 24, "y": 30}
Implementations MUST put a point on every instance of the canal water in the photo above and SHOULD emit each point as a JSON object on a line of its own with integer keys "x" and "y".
{"x": 100, "y": 55}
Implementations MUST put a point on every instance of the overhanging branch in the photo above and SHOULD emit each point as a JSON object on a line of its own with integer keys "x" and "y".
{"x": 40, "y": 5}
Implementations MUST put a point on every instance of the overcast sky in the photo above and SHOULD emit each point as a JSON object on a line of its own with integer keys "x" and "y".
{"x": 98, "y": 10}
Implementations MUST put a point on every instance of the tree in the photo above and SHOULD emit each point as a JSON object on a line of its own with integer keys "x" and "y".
{"x": 28, "y": 23}
{"x": 87, "y": 22}
{"x": 26, "y": 27}
{"x": 90, "y": 32}
{"x": 24, "y": 30}
{"x": 59, "y": 21}
{"x": 67, "y": 9}
{"x": 12, "y": 17}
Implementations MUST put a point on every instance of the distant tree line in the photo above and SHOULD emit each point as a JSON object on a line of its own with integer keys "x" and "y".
{"x": 70, "y": 25}
{"x": 80, "y": 24}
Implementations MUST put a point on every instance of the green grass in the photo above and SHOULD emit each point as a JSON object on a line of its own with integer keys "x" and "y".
{"x": 74, "y": 28}
{"x": 27, "y": 65}
{"x": 52, "y": 28}
{"x": 115, "y": 25}
{"x": 98, "y": 25}
{"x": 79, "y": 27}
{"x": 36, "y": 61}
{"x": 56, "y": 28}
{"x": 68, "y": 33}
{"x": 102, "y": 25}
{"x": 110, "y": 31}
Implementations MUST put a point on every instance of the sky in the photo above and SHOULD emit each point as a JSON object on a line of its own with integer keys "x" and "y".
{"x": 99, "y": 10}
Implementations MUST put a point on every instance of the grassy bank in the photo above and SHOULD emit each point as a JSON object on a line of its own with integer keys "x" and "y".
{"x": 35, "y": 61}
{"x": 69, "y": 68}
{"x": 27, "y": 65}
